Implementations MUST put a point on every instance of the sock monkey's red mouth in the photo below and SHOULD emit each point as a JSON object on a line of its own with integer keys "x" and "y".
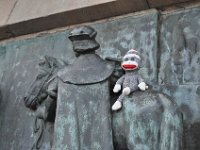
{"x": 129, "y": 66}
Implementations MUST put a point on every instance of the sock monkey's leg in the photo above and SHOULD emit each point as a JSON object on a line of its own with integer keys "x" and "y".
{"x": 121, "y": 98}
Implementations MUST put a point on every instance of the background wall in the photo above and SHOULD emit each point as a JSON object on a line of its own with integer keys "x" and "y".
{"x": 167, "y": 41}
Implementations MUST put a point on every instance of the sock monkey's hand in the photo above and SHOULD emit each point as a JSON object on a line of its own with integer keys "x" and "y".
{"x": 142, "y": 86}
{"x": 117, "y": 88}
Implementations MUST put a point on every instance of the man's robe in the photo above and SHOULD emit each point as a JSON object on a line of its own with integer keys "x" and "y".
{"x": 83, "y": 119}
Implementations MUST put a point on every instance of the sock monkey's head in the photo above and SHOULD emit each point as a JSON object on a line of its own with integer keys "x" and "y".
{"x": 131, "y": 60}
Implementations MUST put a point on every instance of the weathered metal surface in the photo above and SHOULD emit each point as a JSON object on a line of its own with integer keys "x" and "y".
{"x": 83, "y": 106}
{"x": 19, "y": 61}
{"x": 83, "y": 117}
{"x": 19, "y": 67}
{"x": 148, "y": 121}
{"x": 99, "y": 70}
{"x": 180, "y": 67}
{"x": 179, "y": 48}
{"x": 187, "y": 97}
{"x": 116, "y": 37}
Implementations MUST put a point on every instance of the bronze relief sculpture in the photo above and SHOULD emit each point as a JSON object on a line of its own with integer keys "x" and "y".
{"x": 76, "y": 98}
{"x": 83, "y": 97}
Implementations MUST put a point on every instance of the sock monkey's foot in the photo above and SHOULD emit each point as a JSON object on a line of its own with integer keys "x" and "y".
{"x": 117, "y": 105}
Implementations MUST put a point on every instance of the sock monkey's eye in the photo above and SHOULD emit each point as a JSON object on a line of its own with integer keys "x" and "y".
{"x": 125, "y": 59}
{"x": 132, "y": 58}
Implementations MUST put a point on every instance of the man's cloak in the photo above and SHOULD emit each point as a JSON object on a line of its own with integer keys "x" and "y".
{"x": 83, "y": 119}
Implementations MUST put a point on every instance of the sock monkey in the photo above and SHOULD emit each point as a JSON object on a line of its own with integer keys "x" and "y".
{"x": 130, "y": 81}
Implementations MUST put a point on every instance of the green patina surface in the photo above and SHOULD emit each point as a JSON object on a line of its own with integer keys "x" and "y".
{"x": 19, "y": 65}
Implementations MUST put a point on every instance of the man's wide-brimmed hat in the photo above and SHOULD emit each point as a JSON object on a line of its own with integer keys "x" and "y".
{"x": 83, "y": 40}
{"x": 84, "y": 32}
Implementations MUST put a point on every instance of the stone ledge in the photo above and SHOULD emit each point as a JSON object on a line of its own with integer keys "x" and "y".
{"x": 21, "y": 17}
